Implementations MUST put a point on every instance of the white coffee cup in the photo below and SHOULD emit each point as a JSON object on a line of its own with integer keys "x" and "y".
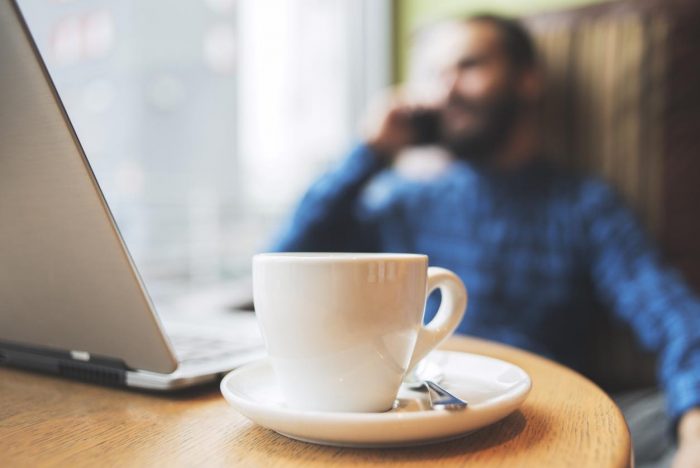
{"x": 342, "y": 329}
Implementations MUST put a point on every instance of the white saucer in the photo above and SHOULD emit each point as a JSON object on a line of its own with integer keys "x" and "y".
{"x": 493, "y": 388}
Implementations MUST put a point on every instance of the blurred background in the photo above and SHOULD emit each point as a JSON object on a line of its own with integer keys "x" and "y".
{"x": 204, "y": 120}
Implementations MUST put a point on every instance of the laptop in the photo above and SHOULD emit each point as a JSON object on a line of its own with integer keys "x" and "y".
{"x": 71, "y": 300}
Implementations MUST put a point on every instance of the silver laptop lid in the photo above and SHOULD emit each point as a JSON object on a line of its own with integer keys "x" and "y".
{"x": 66, "y": 279}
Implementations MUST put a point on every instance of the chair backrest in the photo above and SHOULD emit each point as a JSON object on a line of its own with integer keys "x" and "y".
{"x": 623, "y": 101}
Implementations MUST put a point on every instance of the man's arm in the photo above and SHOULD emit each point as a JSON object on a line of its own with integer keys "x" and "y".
{"x": 631, "y": 278}
{"x": 326, "y": 218}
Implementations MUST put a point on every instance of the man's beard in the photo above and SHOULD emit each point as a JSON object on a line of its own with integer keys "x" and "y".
{"x": 481, "y": 144}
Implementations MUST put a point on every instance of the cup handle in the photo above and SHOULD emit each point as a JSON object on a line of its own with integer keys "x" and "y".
{"x": 452, "y": 308}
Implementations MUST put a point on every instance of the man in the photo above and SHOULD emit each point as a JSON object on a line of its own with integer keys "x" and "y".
{"x": 535, "y": 245}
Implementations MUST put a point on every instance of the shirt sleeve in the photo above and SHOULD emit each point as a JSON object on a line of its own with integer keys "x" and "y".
{"x": 653, "y": 298}
{"x": 327, "y": 218}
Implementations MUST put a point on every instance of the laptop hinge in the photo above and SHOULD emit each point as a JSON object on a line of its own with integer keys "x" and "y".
{"x": 73, "y": 364}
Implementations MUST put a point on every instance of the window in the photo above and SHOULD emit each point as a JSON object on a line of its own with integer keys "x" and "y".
{"x": 205, "y": 120}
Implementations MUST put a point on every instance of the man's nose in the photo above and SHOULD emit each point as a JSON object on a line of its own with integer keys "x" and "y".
{"x": 451, "y": 83}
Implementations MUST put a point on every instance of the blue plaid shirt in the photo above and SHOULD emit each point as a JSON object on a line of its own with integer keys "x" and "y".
{"x": 538, "y": 248}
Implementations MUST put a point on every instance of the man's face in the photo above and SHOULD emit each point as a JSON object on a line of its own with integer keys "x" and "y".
{"x": 480, "y": 89}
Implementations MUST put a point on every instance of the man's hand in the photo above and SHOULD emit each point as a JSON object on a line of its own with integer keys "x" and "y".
{"x": 388, "y": 126}
{"x": 688, "y": 454}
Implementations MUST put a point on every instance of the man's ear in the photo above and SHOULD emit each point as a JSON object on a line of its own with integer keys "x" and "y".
{"x": 531, "y": 84}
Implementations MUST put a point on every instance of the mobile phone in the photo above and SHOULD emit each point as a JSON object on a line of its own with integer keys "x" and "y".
{"x": 426, "y": 126}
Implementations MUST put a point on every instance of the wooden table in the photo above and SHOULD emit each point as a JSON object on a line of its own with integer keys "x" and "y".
{"x": 566, "y": 421}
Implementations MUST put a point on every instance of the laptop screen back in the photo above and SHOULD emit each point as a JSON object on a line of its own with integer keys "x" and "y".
{"x": 66, "y": 279}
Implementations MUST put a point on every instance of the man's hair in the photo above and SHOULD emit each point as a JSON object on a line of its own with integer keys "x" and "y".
{"x": 517, "y": 42}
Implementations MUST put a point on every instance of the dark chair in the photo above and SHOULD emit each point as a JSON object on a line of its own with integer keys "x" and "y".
{"x": 623, "y": 101}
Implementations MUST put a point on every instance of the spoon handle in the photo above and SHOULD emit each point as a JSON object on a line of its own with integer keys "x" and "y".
{"x": 443, "y": 398}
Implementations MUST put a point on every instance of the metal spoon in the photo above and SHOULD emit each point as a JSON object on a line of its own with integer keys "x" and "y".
{"x": 441, "y": 398}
